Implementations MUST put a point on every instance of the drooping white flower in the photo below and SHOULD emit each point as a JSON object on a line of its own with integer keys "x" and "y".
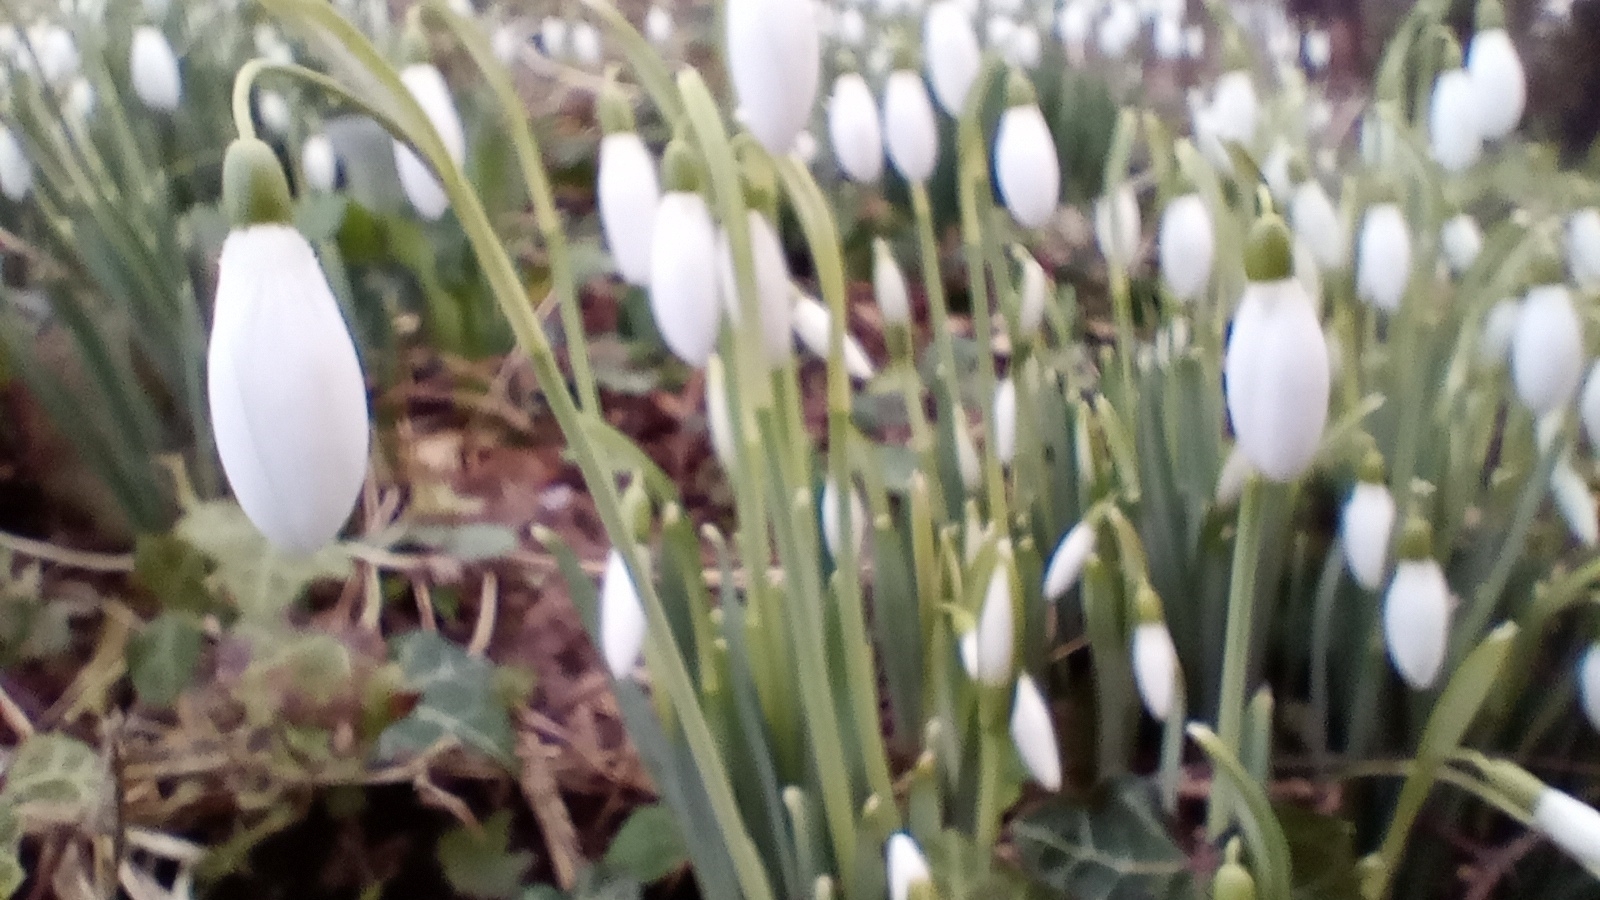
{"x": 1032, "y": 295}
{"x": 774, "y": 63}
{"x": 812, "y": 322}
{"x": 1317, "y": 223}
{"x": 1499, "y": 87}
{"x": 906, "y": 866}
{"x": 997, "y": 31}
{"x": 909, "y": 127}
{"x": 1383, "y": 257}
{"x": 1583, "y": 247}
{"x": 270, "y": 44}
{"x": 1365, "y": 528}
{"x": 628, "y": 192}
{"x": 1185, "y": 246}
{"x": 995, "y": 630}
{"x": 1234, "y": 107}
{"x": 1155, "y": 667}
{"x": 506, "y": 43}
{"x": 1589, "y": 685}
{"x": 1571, "y": 824}
{"x": 1194, "y": 42}
{"x": 56, "y": 52}
{"x": 1462, "y": 241}
{"x": 1005, "y": 421}
{"x": 950, "y": 47}
{"x": 968, "y": 466}
{"x": 1277, "y": 171}
{"x": 1416, "y": 620}
{"x": 586, "y": 48}
{"x": 1547, "y": 349}
{"x": 1455, "y": 139}
{"x": 1589, "y": 406}
{"x": 1575, "y": 502}
{"x": 16, "y": 172}
{"x": 1027, "y": 170}
{"x": 889, "y": 285}
{"x": 658, "y": 25}
{"x": 773, "y": 292}
{"x": 1117, "y": 227}
{"x": 1167, "y": 38}
{"x": 854, "y": 129}
{"x": 851, "y": 29}
{"x": 1499, "y": 326}
{"x": 1035, "y": 735}
{"x": 286, "y": 393}
{"x": 683, "y": 276}
{"x": 1067, "y": 562}
{"x": 622, "y": 619}
{"x": 833, "y": 520}
{"x": 1024, "y": 49}
{"x": 421, "y": 186}
{"x": 154, "y": 70}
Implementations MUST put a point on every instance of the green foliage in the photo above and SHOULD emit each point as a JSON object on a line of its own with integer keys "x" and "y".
{"x": 458, "y": 703}
{"x": 478, "y": 861}
{"x": 260, "y": 581}
{"x": 55, "y": 780}
{"x": 1114, "y": 846}
{"x": 649, "y": 847}
{"x": 163, "y": 656}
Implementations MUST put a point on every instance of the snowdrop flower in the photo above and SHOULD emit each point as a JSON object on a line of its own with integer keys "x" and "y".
{"x": 852, "y": 28}
{"x": 627, "y": 191}
{"x": 16, "y": 173}
{"x": 909, "y": 127}
{"x": 287, "y": 397}
{"x": 1570, "y": 824}
{"x": 719, "y": 414}
{"x": 319, "y": 163}
{"x": 812, "y": 325}
{"x": 1547, "y": 349}
{"x": 1234, "y": 107}
{"x": 1589, "y": 406}
{"x": 1032, "y": 295}
{"x": 951, "y": 48}
{"x": 1073, "y": 24}
{"x": 774, "y": 64}
{"x": 1498, "y": 328}
{"x": 907, "y": 868}
{"x": 271, "y": 108}
{"x": 1167, "y": 38}
{"x": 889, "y": 285}
{"x": 1499, "y": 87}
{"x": 1276, "y": 368}
{"x": 1155, "y": 659}
{"x": 1317, "y": 223}
{"x": 1116, "y": 226}
{"x": 622, "y": 619}
{"x": 1455, "y": 140}
{"x": 1367, "y": 525}
{"x": 773, "y": 292}
{"x": 1317, "y": 47}
{"x": 55, "y": 51}
{"x": 998, "y": 31}
{"x": 553, "y": 35}
{"x": 421, "y": 187}
{"x": 1185, "y": 246}
{"x": 833, "y": 520}
{"x": 1277, "y": 170}
{"x": 1575, "y": 502}
{"x": 1035, "y": 735}
{"x": 271, "y": 45}
{"x": 994, "y": 631}
{"x": 80, "y": 103}
{"x": 854, "y": 130}
{"x": 1383, "y": 257}
{"x": 1583, "y": 247}
{"x": 1067, "y": 562}
{"x": 658, "y": 25}
{"x": 1027, "y": 170}
{"x": 1461, "y": 241}
{"x": 154, "y": 69}
{"x": 1118, "y": 30}
{"x": 1194, "y": 42}
{"x": 506, "y": 43}
{"x": 1589, "y": 685}
{"x": 805, "y": 147}
{"x": 1416, "y": 610}
{"x": 586, "y": 47}
{"x": 683, "y": 268}
{"x": 1005, "y": 421}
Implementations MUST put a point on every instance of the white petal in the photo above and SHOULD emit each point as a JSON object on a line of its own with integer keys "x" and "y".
{"x": 1277, "y": 379}
{"x": 773, "y": 60}
{"x": 16, "y": 172}
{"x": 906, "y": 866}
{"x": 154, "y": 70}
{"x": 1499, "y": 86}
{"x": 1234, "y": 106}
{"x": 1033, "y": 295}
{"x": 812, "y": 324}
{"x": 1589, "y": 406}
{"x": 1027, "y": 170}
{"x": 1589, "y": 685}
{"x": 950, "y": 47}
{"x": 854, "y": 129}
{"x": 319, "y": 163}
{"x": 1547, "y": 349}
{"x": 1005, "y": 419}
{"x": 994, "y": 632}
{"x": 1571, "y": 824}
{"x": 1365, "y": 529}
{"x": 421, "y": 187}
{"x": 1583, "y": 247}
{"x": 628, "y": 193}
{"x": 1383, "y": 257}
{"x": 1186, "y": 245}
{"x": 1462, "y": 241}
{"x": 719, "y": 417}
{"x": 1498, "y": 327}
{"x": 1155, "y": 668}
{"x": 1317, "y": 223}
{"x": 683, "y": 277}
{"x": 586, "y": 47}
{"x": 1575, "y": 502}
{"x": 1035, "y": 735}
{"x": 1117, "y": 227}
{"x": 1067, "y": 562}
{"x": 833, "y": 520}
{"x": 773, "y": 292}
{"x": 658, "y": 25}
{"x": 622, "y": 619}
{"x": 909, "y": 127}
{"x": 1454, "y": 136}
{"x": 889, "y": 285}
{"x": 1416, "y": 621}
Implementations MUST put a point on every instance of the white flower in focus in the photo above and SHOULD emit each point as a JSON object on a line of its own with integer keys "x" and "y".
{"x": 1317, "y": 223}
{"x": 889, "y": 285}
{"x": 154, "y": 69}
{"x": 1462, "y": 241}
{"x": 854, "y": 129}
{"x": 774, "y": 62}
{"x": 950, "y": 47}
{"x": 1005, "y": 421}
{"x": 812, "y": 324}
{"x": 421, "y": 186}
{"x": 994, "y": 632}
{"x": 622, "y": 619}
{"x": 1499, "y": 87}
{"x": 1583, "y": 247}
{"x": 628, "y": 192}
{"x": 658, "y": 25}
{"x": 1416, "y": 621}
{"x": 1067, "y": 562}
{"x": 1547, "y": 349}
{"x": 1494, "y": 348}
{"x": 683, "y": 276}
{"x": 909, "y": 127}
{"x": 1383, "y": 257}
{"x": 16, "y": 173}
{"x": 1117, "y": 227}
{"x": 1455, "y": 140}
{"x": 1027, "y": 170}
{"x": 773, "y": 292}
{"x": 1155, "y": 668}
{"x": 586, "y": 47}
{"x": 1571, "y": 824}
{"x": 319, "y": 163}
{"x": 833, "y": 520}
{"x": 1589, "y": 685}
{"x": 906, "y": 866}
{"x": 1185, "y": 246}
{"x": 1032, "y": 295}
{"x": 1035, "y": 735}
{"x": 1365, "y": 528}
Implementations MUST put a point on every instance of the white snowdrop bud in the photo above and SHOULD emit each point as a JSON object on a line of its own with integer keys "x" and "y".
{"x": 967, "y": 463}
{"x": 852, "y": 28}
{"x": 1234, "y": 105}
{"x": 889, "y": 285}
{"x": 1005, "y": 421}
{"x": 421, "y": 186}
{"x": 774, "y": 63}
{"x": 773, "y": 292}
{"x": 271, "y": 108}
{"x": 1073, "y": 25}
{"x": 1498, "y": 327}
{"x": 1571, "y": 824}
{"x": 1462, "y": 241}
{"x": 1067, "y": 562}
{"x": 319, "y": 163}
{"x": 1367, "y": 525}
{"x": 287, "y": 397}
{"x": 553, "y": 36}
{"x": 1167, "y": 38}
{"x": 812, "y": 322}
{"x": 1383, "y": 257}
{"x": 1589, "y": 685}
{"x": 658, "y": 25}
{"x": 1035, "y": 735}
{"x": 1027, "y": 170}
{"x": 1194, "y": 41}
{"x": 586, "y": 48}
{"x": 909, "y": 127}
{"x": 16, "y": 173}
{"x": 1454, "y": 137}
{"x": 998, "y": 30}
{"x": 622, "y": 619}
{"x": 950, "y": 46}
{"x": 1583, "y": 247}
{"x": 683, "y": 276}
{"x": 1116, "y": 226}
{"x": 628, "y": 193}
{"x": 1416, "y": 611}
{"x": 1317, "y": 47}
{"x": 907, "y": 868}
{"x": 1276, "y": 369}
{"x": 833, "y": 520}
{"x": 56, "y": 53}
{"x": 719, "y": 413}
{"x": 154, "y": 69}
{"x": 1575, "y": 502}
{"x": 506, "y": 42}
{"x": 271, "y": 45}
{"x": 1317, "y": 223}
{"x": 994, "y": 632}
{"x": 854, "y": 129}
{"x": 1547, "y": 349}
{"x": 1185, "y": 246}
{"x": 1155, "y": 659}
{"x": 805, "y": 147}
{"x": 1589, "y": 406}
{"x": 1032, "y": 296}
{"x": 1499, "y": 87}
{"x": 1118, "y": 30}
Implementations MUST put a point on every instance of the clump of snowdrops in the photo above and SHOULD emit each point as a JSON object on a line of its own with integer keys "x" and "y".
{"x": 1323, "y": 509}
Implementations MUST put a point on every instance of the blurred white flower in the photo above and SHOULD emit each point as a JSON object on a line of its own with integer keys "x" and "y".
{"x": 1027, "y": 170}
{"x": 586, "y": 45}
{"x": 774, "y": 62}
{"x": 773, "y": 292}
{"x": 1034, "y": 734}
{"x": 1575, "y": 502}
{"x": 553, "y": 36}
{"x": 16, "y": 172}
{"x": 1118, "y": 30}
{"x": 1589, "y": 407}
{"x": 812, "y": 323}
{"x": 1005, "y": 421}
{"x": 1589, "y": 685}
{"x": 683, "y": 276}
{"x": 1234, "y": 107}
{"x": 852, "y": 28}
{"x": 658, "y": 25}
{"x": 994, "y": 632}
{"x": 1317, "y": 223}
{"x": 968, "y": 466}
{"x": 950, "y": 47}
{"x": 1067, "y": 561}
{"x": 1455, "y": 138}
{"x": 1194, "y": 41}
{"x": 854, "y": 129}
{"x": 1494, "y": 348}
{"x": 1571, "y": 824}
{"x": 1024, "y": 49}
{"x": 1383, "y": 257}
{"x": 622, "y": 618}
{"x": 1365, "y": 529}
{"x": 80, "y": 103}
{"x": 719, "y": 416}
{"x": 1185, "y": 246}
{"x": 154, "y": 70}
{"x": 1416, "y": 620}
{"x": 1583, "y": 247}
{"x": 1073, "y": 24}
{"x": 1155, "y": 667}
{"x": 55, "y": 51}
{"x": 909, "y": 127}
{"x": 1032, "y": 295}
{"x": 421, "y": 186}
{"x": 1167, "y": 38}
{"x": 833, "y": 520}
{"x": 319, "y": 163}
{"x": 1547, "y": 349}
{"x": 906, "y": 866}
{"x": 1117, "y": 227}
{"x": 889, "y": 285}
{"x": 1317, "y": 47}
{"x": 628, "y": 193}
{"x": 1462, "y": 241}
{"x": 1499, "y": 87}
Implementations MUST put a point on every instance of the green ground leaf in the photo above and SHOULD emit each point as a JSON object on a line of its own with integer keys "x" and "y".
{"x": 479, "y": 862}
{"x": 459, "y": 700}
{"x": 174, "y": 571}
{"x": 1114, "y": 848}
{"x": 56, "y": 781}
{"x": 1321, "y": 853}
{"x": 649, "y": 847}
{"x": 262, "y": 582}
{"x": 162, "y": 658}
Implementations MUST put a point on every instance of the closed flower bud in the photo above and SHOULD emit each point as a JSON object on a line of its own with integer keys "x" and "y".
{"x": 950, "y": 46}
{"x": 854, "y": 129}
{"x": 1454, "y": 139}
{"x": 1166, "y": 37}
{"x": 1185, "y": 246}
{"x": 1027, "y": 170}
{"x": 1547, "y": 349}
{"x": 1383, "y": 257}
{"x": 1462, "y": 241}
{"x": 683, "y": 276}
{"x": 1499, "y": 326}
{"x": 1032, "y": 296}
{"x": 622, "y": 620}
{"x": 1234, "y": 107}
{"x": 319, "y": 163}
{"x": 1571, "y": 824}
{"x": 1365, "y": 528}
{"x": 421, "y": 186}
{"x": 629, "y": 193}
{"x": 851, "y": 29}
{"x": 1499, "y": 87}
{"x": 773, "y": 61}
{"x": 16, "y": 173}
{"x": 1589, "y": 685}
{"x": 1583, "y": 247}
{"x": 1035, "y": 735}
{"x": 907, "y": 868}
{"x": 1024, "y": 48}
{"x": 909, "y": 127}
{"x": 1005, "y": 421}
{"x": 774, "y": 293}
{"x": 287, "y": 397}
{"x": 154, "y": 69}
{"x": 658, "y": 25}
{"x": 1317, "y": 48}
{"x": 889, "y": 285}
{"x": 586, "y": 47}
{"x": 1575, "y": 502}
{"x": 968, "y": 466}
{"x": 1416, "y": 613}
{"x": 1116, "y": 226}
{"x": 1067, "y": 562}
{"x": 995, "y": 630}
{"x": 1155, "y": 660}
{"x": 833, "y": 520}
{"x": 1317, "y": 223}
{"x": 812, "y": 324}
{"x": 1589, "y": 407}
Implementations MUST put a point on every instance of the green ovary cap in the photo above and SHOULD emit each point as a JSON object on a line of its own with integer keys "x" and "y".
{"x": 254, "y": 189}
{"x": 1147, "y": 606}
{"x": 1233, "y": 881}
{"x": 1371, "y": 470}
{"x": 1269, "y": 251}
{"x": 616, "y": 113}
{"x": 1416, "y": 540}
{"x": 1491, "y": 15}
{"x": 1547, "y": 269}
{"x": 1019, "y": 90}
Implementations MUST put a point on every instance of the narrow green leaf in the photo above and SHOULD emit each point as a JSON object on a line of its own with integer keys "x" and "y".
{"x": 1263, "y": 834}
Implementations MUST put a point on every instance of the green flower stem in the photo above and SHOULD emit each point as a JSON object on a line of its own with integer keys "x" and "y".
{"x": 1321, "y": 637}
{"x": 993, "y": 745}
{"x": 1236, "y": 646}
{"x": 902, "y": 355}
{"x": 938, "y": 304}
{"x": 1113, "y": 675}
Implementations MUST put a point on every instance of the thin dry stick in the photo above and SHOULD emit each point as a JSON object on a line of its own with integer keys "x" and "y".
{"x": 488, "y": 605}
{"x": 424, "y": 595}
{"x": 544, "y": 798}
{"x": 62, "y": 556}
{"x": 14, "y": 717}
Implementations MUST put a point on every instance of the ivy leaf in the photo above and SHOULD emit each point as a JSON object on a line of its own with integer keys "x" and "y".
{"x": 478, "y": 862}
{"x": 56, "y": 781}
{"x": 1114, "y": 848}
{"x": 459, "y": 700}
{"x": 262, "y": 582}
{"x": 174, "y": 571}
{"x": 162, "y": 658}
{"x": 470, "y": 542}
{"x": 1321, "y": 853}
{"x": 649, "y": 847}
